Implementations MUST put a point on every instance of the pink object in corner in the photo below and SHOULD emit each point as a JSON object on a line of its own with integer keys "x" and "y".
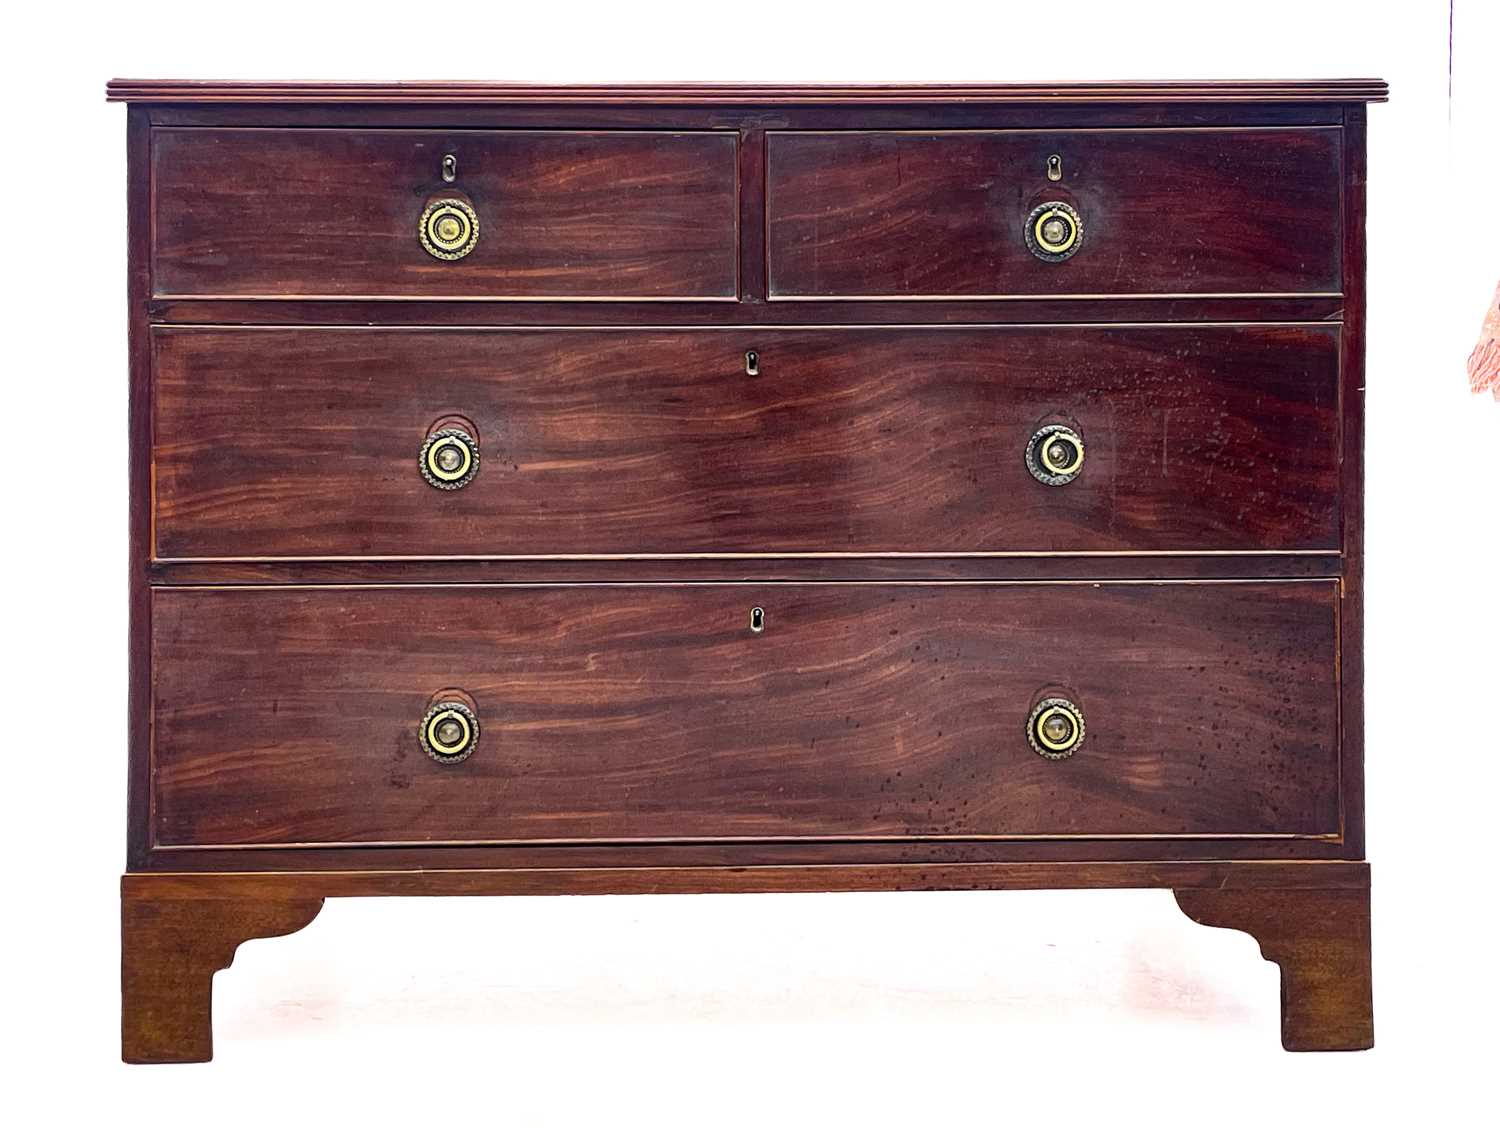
{"x": 1484, "y": 361}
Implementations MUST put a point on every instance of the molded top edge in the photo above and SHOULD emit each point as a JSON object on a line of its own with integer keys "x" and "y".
{"x": 720, "y": 94}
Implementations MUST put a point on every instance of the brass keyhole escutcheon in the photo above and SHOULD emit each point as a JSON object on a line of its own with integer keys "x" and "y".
{"x": 449, "y": 458}
{"x": 1054, "y": 454}
{"x": 1054, "y": 231}
{"x": 449, "y": 229}
{"x": 1055, "y": 728}
{"x": 449, "y": 732}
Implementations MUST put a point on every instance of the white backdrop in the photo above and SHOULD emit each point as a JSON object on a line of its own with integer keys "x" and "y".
{"x": 800, "y": 1010}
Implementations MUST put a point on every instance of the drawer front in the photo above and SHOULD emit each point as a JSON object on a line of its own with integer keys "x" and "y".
{"x": 335, "y": 212}
{"x": 617, "y": 712}
{"x": 306, "y": 442}
{"x": 1162, "y": 211}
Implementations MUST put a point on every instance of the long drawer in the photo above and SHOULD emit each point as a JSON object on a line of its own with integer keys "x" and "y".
{"x": 664, "y": 712}
{"x": 336, "y": 213}
{"x": 307, "y": 442}
{"x": 1160, "y": 211}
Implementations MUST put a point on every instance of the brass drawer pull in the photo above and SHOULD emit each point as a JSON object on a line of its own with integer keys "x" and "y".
{"x": 449, "y": 732}
{"x": 1054, "y": 455}
{"x": 1055, "y": 728}
{"x": 1054, "y": 231}
{"x": 449, "y": 458}
{"x": 449, "y": 228}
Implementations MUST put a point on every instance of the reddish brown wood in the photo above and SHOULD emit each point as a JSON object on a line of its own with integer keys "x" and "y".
{"x": 849, "y": 441}
{"x": 179, "y": 929}
{"x": 139, "y": 552}
{"x": 1320, "y": 938}
{"x": 750, "y": 312}
{"x": 1352, "y": 487}
{"x": 746, "y": 117}
{"x": 170, "y": 948}
{"x": 722, "y": 93}
{"x": 893, "y": 215}
{"x": 374, "y": 881}
{"x": 742, "y": 569}
{"x": 632, "y": 713}
{"x": 686, "y": 219}
{"x": 741, "y": 854}
{"x": 314, "y": 213}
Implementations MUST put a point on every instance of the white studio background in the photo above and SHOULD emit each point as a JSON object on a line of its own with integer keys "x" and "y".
{"x": 795, "y": 1010}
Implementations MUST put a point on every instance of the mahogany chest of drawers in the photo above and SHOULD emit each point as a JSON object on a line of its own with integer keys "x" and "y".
{"x": 585, "y": 490}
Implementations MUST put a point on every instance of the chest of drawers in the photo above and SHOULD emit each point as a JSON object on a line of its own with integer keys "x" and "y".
{"x": 609, "y": 490}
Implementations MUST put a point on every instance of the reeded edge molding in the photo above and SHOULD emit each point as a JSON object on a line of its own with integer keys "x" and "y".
{"x": 722, "y": 94}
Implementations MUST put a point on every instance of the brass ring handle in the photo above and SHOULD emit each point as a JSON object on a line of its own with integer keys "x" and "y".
{"x": 449, "y": 732}
{"x": 1054, "y": 231}
{"x": 449, "y": 458}
{"x": 448, "y": 229}
{"x": 1054, "y": 454}
{"x": 1055, "y": 728}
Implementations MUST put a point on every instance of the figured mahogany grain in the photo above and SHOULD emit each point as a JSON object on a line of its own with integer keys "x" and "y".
{"x": 334, "y": 212}
{"x": 901, "y": 214}
{"x": 304, "y": 442}
{"x": 653, "y": 712}
{"x": 261, "y": 718}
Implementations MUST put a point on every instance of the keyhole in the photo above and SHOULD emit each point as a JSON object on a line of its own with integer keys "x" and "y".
{"x": 752, "y": 363}
{"x": 1054, "y": 167}
{"x": 450, "y": 168}
{"x": 757, "y": 619}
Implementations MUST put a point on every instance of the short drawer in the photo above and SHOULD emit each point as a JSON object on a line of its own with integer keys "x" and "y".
{"x": 247, "y": 213}
{"x": 309, "y": 442}
{"x": 660, "y": 712}
{"x": 1159, "y": 211}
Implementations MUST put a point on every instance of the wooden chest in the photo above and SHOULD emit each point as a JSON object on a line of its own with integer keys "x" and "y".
{"x": 609, "y": 490}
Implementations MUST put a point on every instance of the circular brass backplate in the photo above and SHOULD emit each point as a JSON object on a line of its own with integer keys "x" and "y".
{"x": 1054, "y": 454}
{"x": 449, "y": 229}
{"x": 449, "y": 732}
{"x": 1055, "y": 728}
{"x": 1054, "y": 231}
{"x": 449, "y": 459}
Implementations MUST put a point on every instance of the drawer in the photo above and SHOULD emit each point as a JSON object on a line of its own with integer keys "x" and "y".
{"x": 1162, "y": 211}
{"x": 308, "y": 442}
{"x": 335, "y": 213}
{"x": 656, "y": 712}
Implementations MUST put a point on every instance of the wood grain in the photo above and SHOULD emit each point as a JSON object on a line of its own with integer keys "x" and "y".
{"x": 871, "y": 738}
{"x": 652, "y": 712}
{"x": 304, "y": 443}
{"x": 334, "y": 212}
{"x": 170, "y": 948}
{"x": 375, "y": 881}
{"x": 1320, "y": 938}
{"x": 539, "y": 856}
{"x": 906, "y": 214}
{"x": 633, "y": 569}
{"x": 1352, "y": 485}
{"x": 751, "y": 313}
{"x": 745, "y": 116}
{"x": 160, "y": 91}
